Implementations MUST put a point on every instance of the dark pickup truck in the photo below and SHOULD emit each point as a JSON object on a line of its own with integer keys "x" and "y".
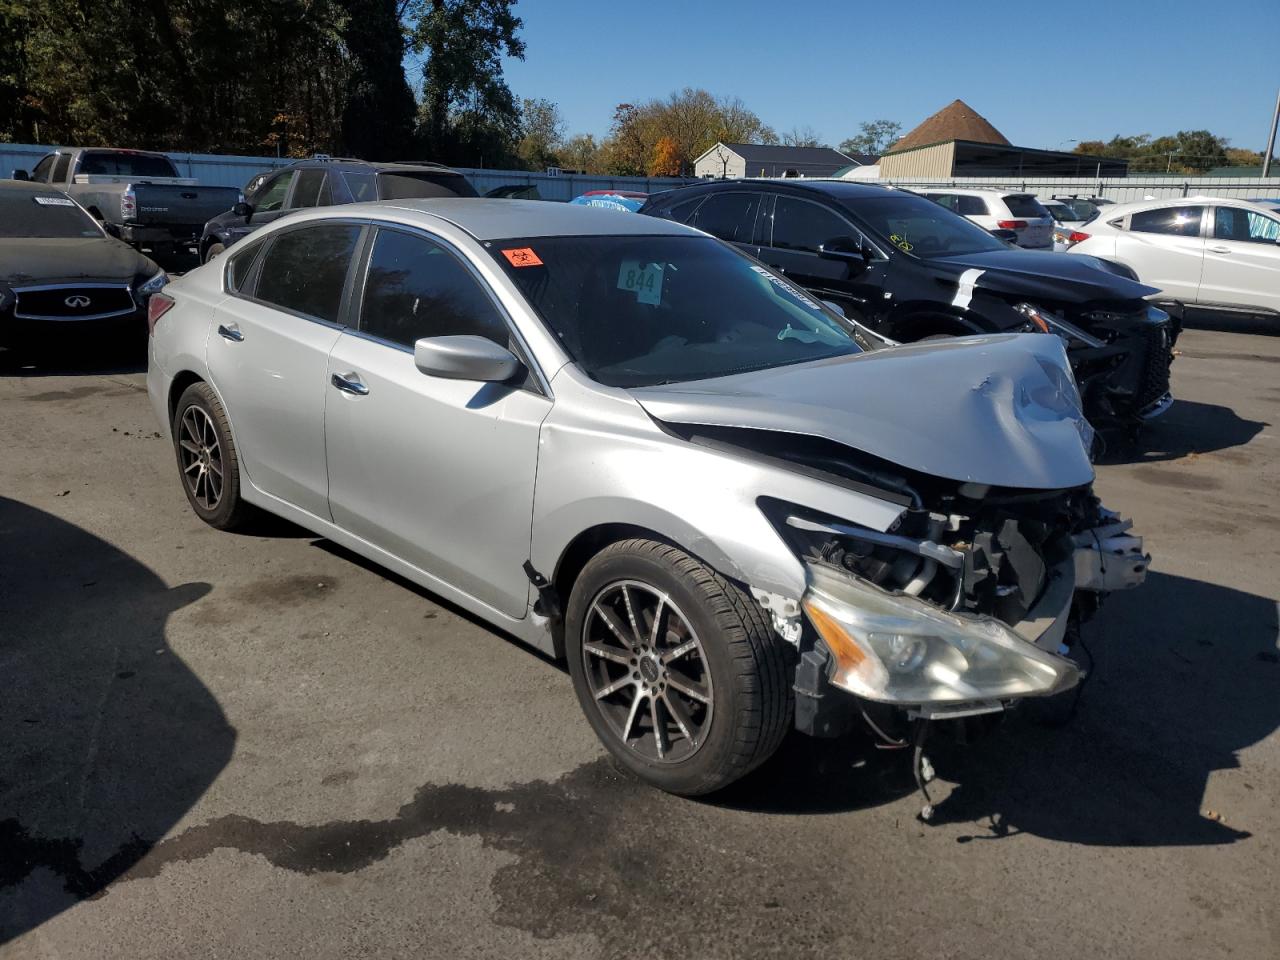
{"x": 138, "y": 196}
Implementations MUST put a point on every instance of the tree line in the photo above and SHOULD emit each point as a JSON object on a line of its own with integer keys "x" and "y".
{"x": 1185, "y": 152}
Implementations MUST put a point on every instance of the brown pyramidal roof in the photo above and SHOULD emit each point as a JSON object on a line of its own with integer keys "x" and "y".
{"x": 956, "y": 121}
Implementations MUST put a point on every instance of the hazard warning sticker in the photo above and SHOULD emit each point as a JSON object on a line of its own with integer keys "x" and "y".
{"x": 522, "y": 257}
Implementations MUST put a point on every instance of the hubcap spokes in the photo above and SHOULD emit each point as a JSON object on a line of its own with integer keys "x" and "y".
{"x": 201, "y": 457}
{"x": 647, "y": 671}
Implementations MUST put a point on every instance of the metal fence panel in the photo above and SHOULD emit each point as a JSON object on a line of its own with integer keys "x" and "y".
{"x": 233, "y": 171}
{"x": 1119, "y": 189}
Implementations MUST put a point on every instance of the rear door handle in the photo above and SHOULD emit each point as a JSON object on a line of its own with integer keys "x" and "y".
{"x": 229, "y": 331}
{"x": 1219, "y": 249}
{"x": 349, "y": 383}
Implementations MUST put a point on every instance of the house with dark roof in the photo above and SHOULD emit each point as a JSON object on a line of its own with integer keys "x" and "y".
{"x": 957, "y": 141}
{"x": 735, "y": 160}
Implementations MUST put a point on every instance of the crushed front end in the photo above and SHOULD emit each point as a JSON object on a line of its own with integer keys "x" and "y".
{"x": 969, "y": 603}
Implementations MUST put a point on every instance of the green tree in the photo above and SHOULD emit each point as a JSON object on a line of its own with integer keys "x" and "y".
{"x": 873, "y": 137}
{"x": 1187, "y": 152}
{"x": 468, "y": 113}
{"x": 377, "y": 120}
{"x": 541, "y": 134}
{"x": 581, "y": 152}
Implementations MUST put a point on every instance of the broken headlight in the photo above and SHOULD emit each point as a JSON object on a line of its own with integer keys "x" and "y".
{"x": 897, "y": 649}
{"x": 1045, "y": 321}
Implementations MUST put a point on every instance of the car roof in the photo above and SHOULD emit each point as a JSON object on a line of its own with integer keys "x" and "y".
{"x": 833, "y": 187}
{"x": 500, "y": 219}
{"x": 369, "y": 166}
{"x": 976, "y": 192}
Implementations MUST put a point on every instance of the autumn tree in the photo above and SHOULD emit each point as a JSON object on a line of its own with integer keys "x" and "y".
{"x": 666, "y": 159}
{"x": 542, "y": 134}
{"x": 582, "y": 152}
{"x": 693, "y": 119}
{"x": 802, "y": 137}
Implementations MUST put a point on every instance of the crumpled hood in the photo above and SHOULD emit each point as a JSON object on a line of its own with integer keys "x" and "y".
{"x": 1040, "y": 275}
{"x": 999, "y": 409}
{"x": 33, "y": 260}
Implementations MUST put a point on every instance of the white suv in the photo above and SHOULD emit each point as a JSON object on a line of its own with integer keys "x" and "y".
{"x": 1205, "y": 251}
{"x": 994, "y": 210}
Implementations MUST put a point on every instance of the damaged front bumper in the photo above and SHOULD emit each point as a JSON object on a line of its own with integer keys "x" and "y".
{"x": 899, "y": 650}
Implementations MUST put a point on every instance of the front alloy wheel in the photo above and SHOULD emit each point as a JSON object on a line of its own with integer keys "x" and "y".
{"x": 647, "y": 671}
{"x": 207, "y": 458}
{"x": 676, "y": 668}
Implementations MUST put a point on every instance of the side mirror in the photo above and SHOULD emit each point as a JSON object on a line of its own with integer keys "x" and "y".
{"x": 465, "y": 358}
{"x": 21, "y": 175}
{"x": 844, "y": 248}
{"x": 113, "y": 229}
{"x": 1009, "y": 236}
{"x": 242, "y": 209}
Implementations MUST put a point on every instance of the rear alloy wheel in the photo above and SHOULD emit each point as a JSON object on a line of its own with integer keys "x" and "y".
{"x": 676, "y": 668}
{"x": 207, "y": 458}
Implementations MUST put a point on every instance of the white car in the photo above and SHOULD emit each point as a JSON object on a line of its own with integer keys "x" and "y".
{"x": 1209, "y": 252}
{"x": 995, "y": 210}
{"x": 1067, "y": 216}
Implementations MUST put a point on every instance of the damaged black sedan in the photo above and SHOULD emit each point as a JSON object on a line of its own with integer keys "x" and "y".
{"x": 912, "y": 270}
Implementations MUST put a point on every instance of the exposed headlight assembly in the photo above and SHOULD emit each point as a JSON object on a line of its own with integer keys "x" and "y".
{"x": 154, "y": 285}
{"x": 896, "y": 649}
{"x": 1039, "y": 319}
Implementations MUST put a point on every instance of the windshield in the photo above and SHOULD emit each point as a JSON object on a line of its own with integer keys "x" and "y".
{"x": 43, "y": 216}
{"x": 640, "y": 311}
{"x": 920, "y": 227}
{"x": 125, "y": 165}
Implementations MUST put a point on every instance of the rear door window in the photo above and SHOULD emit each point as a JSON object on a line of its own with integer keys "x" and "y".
{"x": 312, "y": 189}
{"x": 41, "y": 173}
{"x": 305, "y": 270}
{"x": 801, "y": 225}
{"x": 1175, "y": 221}
{"x": 729, "y": 216}
{"x": 361, "y": 186}
{"x": 971, "y": 206}
{"x": 60, "y": 168}
{"x": 1235, "y": 223}
{"x": 1024, "y": 205}
{"x": 416, "y": 288}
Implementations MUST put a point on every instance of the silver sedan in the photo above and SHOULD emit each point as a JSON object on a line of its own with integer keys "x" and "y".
{"x": 630, "y": 445}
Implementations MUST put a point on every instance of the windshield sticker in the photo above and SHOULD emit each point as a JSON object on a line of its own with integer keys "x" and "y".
{"x": 964, "y": 292}
{"x": 783, "y": 285}
{"x": 645, "y": 281}
{"x": 53, "y": 201}
{"x": 522, "y": 257}
{"x": 902, "y": 243}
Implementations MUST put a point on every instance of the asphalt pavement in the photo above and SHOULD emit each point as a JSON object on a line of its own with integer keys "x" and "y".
{"x": 258, "y": 745}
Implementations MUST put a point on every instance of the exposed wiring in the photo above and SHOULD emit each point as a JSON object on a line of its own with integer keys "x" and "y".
{"x": 888, "y": 742}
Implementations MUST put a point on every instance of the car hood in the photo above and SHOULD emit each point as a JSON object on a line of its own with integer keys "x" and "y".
{"x": 1000, "y": 409}
{"x": 33, "y": 260}
{"x": 1040, "y": 275}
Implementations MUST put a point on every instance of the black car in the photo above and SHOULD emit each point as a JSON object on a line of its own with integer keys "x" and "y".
{"x": 62, "y": 273}
{"x": 322, "y": 182}
{"x": 912, "y": 270}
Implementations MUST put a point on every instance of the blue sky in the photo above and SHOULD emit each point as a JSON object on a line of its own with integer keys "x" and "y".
{"x": 1041, "y": 73}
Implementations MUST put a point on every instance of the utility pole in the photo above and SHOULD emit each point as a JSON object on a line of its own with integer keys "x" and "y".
{"x": 1271, "y": 140}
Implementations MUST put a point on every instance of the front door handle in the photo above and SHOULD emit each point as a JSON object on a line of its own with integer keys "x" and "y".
{"x": 1219, "y": 249}
{"x": 229, "y": 331}
{"x": 349, "y": 383}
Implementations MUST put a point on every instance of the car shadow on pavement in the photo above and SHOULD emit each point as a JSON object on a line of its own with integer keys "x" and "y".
{"x": 50, "y": 361}
{"x": 1188, "y": 428}
{"x": 1226, "y": 322}
{"x": 108, "y": 737}
{"x": 1185, "y": 677}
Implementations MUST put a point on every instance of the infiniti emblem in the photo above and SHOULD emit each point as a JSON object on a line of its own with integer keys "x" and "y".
{"x": 77, "y": 302}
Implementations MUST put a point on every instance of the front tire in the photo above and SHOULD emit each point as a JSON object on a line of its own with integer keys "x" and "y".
{"x": 213, "y": 250}
{"x": 207, "y": 460}
{"x": 677, "y": 669}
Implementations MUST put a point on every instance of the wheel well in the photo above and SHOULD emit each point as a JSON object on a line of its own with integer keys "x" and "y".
{"x": 576, "y": 556}
{"x": 180, "y": 383}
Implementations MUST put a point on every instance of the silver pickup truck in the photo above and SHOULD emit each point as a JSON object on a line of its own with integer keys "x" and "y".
{"x": 138, "y": 196}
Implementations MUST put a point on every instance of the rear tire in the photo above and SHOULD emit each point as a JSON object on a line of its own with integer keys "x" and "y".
{"x": 208, "y": 464}
{"x": 691, "y": 703}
